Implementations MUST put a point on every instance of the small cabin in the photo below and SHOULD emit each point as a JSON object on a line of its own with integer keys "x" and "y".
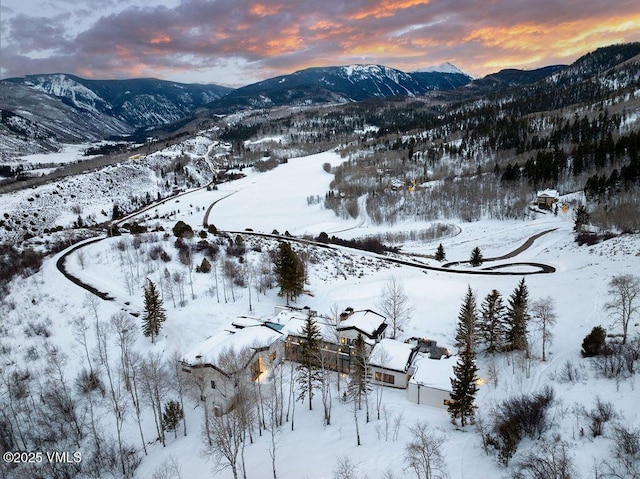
{"x": 545, "y": 199}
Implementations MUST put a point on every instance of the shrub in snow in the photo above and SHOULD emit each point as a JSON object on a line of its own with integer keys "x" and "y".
{"x": 602, "y": 413}
{"x": 552, "y": 460}
{"x": 182, "y": 230}
{"x": 519, "y": 416}
{"x": 205, "y": 266}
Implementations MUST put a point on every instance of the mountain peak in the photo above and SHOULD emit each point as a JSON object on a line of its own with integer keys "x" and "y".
{"x": 442, "y": 68}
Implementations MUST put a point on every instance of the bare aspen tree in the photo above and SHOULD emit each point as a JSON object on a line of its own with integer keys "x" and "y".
{"x": 168, "y": 285}
{"x": 197, "y": 386}
{"x": 117, "y": 395}
{"x": 383, "y": 360}
{"x": 274, "y": 430}
{"x": 544, "y": 317}
{"x": 190, "y": 266}
{"x": 91, "y": 302}
{"x": 125, "y": 332}
{"x": 345, "y": 468}
{"x": 334, "y": 314}
{"x": 81, "y": 258}
{"x": 179, "y": 384}
{"x": 249, "y": 273}
{"x": 80, "y": 328}
{"x": 423, "y": 454}
{"x": 354, "y": 409}
{"x": 227, "y": 436}
{"x": 229, "y": 272}
{"x": 178, "y": 281}
{"x": 214, "y": 272}
{"x": 58, "y": 397}
{"x": 394, "y": 304}
{"x": 324, "y": 360}
{"x": 274, "y": 409}
{"x": 291, "y": 404}
{"x": 624, "y": 290}
{"x": 169, "y": 469}
{"x": 154, "y": 387}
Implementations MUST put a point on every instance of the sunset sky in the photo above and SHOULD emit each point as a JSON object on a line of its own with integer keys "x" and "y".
{"x": 237, "y": 42}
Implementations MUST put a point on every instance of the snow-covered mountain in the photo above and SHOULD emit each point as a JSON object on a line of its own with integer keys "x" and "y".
{"x": 140, "y": 103}
{"x": 340, "y": 84}
{"x": 445, "y": 67}
{"x": 62, "y": 107}
{"x": 33, "y": 121}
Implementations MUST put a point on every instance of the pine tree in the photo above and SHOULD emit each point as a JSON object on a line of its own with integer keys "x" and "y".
{"x": 440, "y": 254}
{"x": 289, "y": 271}
{"x": 582, "y": 218}
{"x": 476, "y": 257}
{"x": 493, "y": 321}
{"x": 467, "y": 332}
{"x": 518, "y": 315}
{"x": 358, "y": 375}
{"x": 464, "y": 387}
{"x": 594, "y": 343}
{"x": 309, "y": 375}
{"x": 154, "y": 313}
{"x": 463, "y": 384}
{"x": 172, "y": 416}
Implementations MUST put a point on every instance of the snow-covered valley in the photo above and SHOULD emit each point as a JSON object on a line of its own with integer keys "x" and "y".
{"x": 43, "y": 312}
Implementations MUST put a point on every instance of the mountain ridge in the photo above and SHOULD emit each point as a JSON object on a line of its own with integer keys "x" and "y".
{"x": 39, "y": 112}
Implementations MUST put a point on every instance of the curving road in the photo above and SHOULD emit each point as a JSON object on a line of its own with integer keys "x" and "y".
{"x": 491, "y": 271}
{"x": 539, "y": 268}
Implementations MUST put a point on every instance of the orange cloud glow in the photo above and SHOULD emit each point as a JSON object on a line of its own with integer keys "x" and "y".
{"x": 530, "y": 41}
{"x": 529, "y": 36}
{"x": 261, "y": 10}
{"x": 162, "y": 38}
{"x": 239, "y": 41}
{"x": 388, "y": 8}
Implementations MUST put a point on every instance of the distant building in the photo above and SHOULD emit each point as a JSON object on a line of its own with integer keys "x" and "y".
{"x": 545, "y": 199}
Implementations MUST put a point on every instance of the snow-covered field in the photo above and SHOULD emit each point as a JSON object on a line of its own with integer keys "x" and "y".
{"x": 277, "y": 199}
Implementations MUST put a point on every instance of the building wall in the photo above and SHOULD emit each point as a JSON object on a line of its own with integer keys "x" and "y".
{"x": 426, "y": 395}
{"x": 337, "y": 358}
{"x": 384, "y": 377}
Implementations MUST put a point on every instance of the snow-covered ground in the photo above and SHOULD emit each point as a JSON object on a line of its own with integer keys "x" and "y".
{"x": 277, "y": 199}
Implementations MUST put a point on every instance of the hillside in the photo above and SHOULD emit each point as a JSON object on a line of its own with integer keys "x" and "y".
{"x": 335, "y": 277}
{"x": 59, "y": 108}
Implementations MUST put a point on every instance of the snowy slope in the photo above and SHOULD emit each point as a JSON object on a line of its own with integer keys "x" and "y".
{"x": 277, "y": 199}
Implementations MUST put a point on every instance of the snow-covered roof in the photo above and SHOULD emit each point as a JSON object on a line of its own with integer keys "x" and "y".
{"x": 209, "y": 351}
{"x": 434, "y": 373}
{"x": 366, "y": 321}
{"x": 244, "y": 322}
{"x": 392, "y": 354}
{"x": 548, "y": 193}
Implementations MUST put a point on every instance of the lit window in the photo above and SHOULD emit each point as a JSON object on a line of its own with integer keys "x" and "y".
{"x": 384, "y": 378}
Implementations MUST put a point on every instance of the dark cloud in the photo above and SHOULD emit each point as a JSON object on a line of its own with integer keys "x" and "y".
{"x": 269, "y": 37}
